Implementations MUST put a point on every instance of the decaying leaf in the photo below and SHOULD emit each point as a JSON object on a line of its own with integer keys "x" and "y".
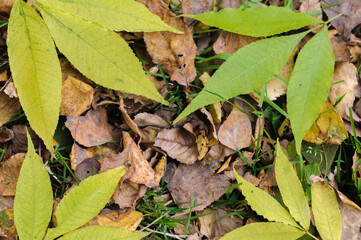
{"x": 218, "y": 153}
{"x": 10, "y": 170}
{"x": 345, "y": 75}
{"x": 88, "y": 167}
{"x": 179, "y": 144}
{"x": 146, "y": 119}
{"x": 229, "y": 42}
{"x": 175, "y": 52}
{"x": 8, "y": 107}
{"x": 339, "y": 46}
{"x": 127, "y": 194}
{"x": 236, "y": 131}
{"x": 197, "y": 181}
{"x": 328, "y": 127}
{"x": 5, "y": 7}
{"x": 7, "y": 226}
{"x": 349, "y": 19}
{"x": 91, "y": 129}
{"x": 6, "y": 134}
{"x": 117, "y": 219}
{"x": 76, "y": 97}
{"x": 230, "y": 4}
{"x": 196, "y": 7}
{"x": 206, "y": 222}
{"x": 225, "y": 225}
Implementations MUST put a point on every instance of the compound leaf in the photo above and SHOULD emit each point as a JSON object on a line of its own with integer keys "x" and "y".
{"x": 291, "y": 189}
{"x": 263, "y": 203}
{"x": 104, "y": 232}
{"x": 264, "y": 231}
{"x": 309, "y": 84}
{"x": 33, "y": 203}
{"x": 326, "y": 212}
{"x": 245, "y": 70}
{"x": 98, "y": 53}
{"x": 256, "y": 22}
{"x": 120, "y": 15}
{"x": 35, "y": 69}
{"x": 85, "y": 201}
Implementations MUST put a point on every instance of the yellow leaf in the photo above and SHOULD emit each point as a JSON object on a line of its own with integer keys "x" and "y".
{"x": 35, "y": 69}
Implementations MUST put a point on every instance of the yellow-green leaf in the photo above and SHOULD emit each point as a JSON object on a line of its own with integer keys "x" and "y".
{"x": 33, "y": 203}
{"x": 263, "y": 203}
{"x": 264, "y": 231}
{"x": 246, "y": 70}
{"x": 257, "y": 22}
{"x": 98, "y": 53}
{"x": 291, "y": 189}
{"x": 104, "y": 232}
{"x": 85, "y": 201}
{"x": 325, "y": 211}
{"x": 35, "y": 69}
{"x": 309, "y": 84}
{"x": 119, "y": 15}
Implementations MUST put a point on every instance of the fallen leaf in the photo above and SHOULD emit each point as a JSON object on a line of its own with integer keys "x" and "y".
{"x": 5, "y": 7}
{"x": 225, "y": 225}
{"x": 4, "y": 75}
{"x": 20, "y": 142}
{"x": 179, "y": 144}
{"x": 218, "y": 153}
{"x": 228, "y": 42}
{"x": 174, "y": 52}
{"x": 346, "y": 74}
{"x": 88, "y": 167}
{"x": 181, "y": 226}
{"x": 91, "y": 129}
{"x": 8, "y": 108}
{"x": 236, "y": 131}
{"x": 10, "y": 170}
{"x": 6, "y": 202}
{"x": 6, "y": 134}
{"x": 146, "y": 119}
{"x": 127, "y": 193}
{"x": 326, "y": 128}
{"x": 117, "y": 219}
{"x": 159, "y": 170}
{"x": 7, "y": 225}
{"x": 230, "y": 4}
{"x": 339, "y": 46}
{"x": 350, "y": 18}
{"x": 10, "y": 90}
{"x": 197, "y": 181}
{"x": 206, "y": 222}
{"x": 129, "y": 121}
{"x": 196, "y": 7}
{"x": 356, "y": 166}
{"x": 76, "y": 97}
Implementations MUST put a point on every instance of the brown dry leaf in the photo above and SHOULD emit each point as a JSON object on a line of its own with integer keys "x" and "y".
{"x": 88, "y": 167}
{"x": 230, "y": 4}
{"x": 128, "y": 119}
{"x": 323, "y": 130}
{"x": 179, "y": 144}
{"x": 175, "y": 52}
{"x": 199, "y": 182}
{"x": 224, "y": 166}
{"x": 117, "y": 219}
{"x": 218, "y": 153}
{"x": 6, "y": 134}
{"x": 356, "y": 166}
{"x": 5, "y": 7}
{"x": 206, "y": 222}
{"x": 355, "y": 53}
{"x": 76, "y": 97}
{"x": 215, "y": 109}
{"x": 146, "y": 119}
{"x": 347, "y": 73}
{"x": 202, "y": 144}
{"x": 68, "y": 70}
{"x": 91, "y": 129}
{"x": 351, "y": 17}
{"x": 10, "y": 90}
{"x": 127, "y": 193}
{"x": 230, "y": 42}
{"x": 224, "y": 226}
{"x": 8, "y": 107}
{"x": 4, "y": 76}
{"x": 7, "y": 225}
{"x": 180, "y": 229}
{"x": 20, "y": 141}
{"x": 10, "y": 170}
{"x": 339, "y": 46}
{"x": 159, "y": 170}
{"x": 6, "y": 202}
{"x": 351, "y": 218}
{"x": 236, "y": 131}
{"x": 196, "y": 7}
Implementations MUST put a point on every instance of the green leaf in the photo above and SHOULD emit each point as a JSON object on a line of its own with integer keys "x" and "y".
{"x": 263, "y": 203}
{"x": 326, "y": 212}
{"x": 98, "y": 53}
{"x": 35, "y": 69}
{"x": 245, "y": 70}
{"x": 291, "y": 189}
{"x": 104, "y": 232}
{"x": 309, "y": 84}
{"x": 256, "y": 22}
{"x": 264, "y": 231}
{"x": 85, "y": 201}
{"x": 120, "y": 15}
{"x": 33, "y": 203}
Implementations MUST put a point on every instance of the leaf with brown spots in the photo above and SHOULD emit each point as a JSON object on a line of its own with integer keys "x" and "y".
{"x": 91, "y": 129}
{"x": 197, "y": 181}
{"x": 117, "y": 219}
{"x": 174, "y": 52}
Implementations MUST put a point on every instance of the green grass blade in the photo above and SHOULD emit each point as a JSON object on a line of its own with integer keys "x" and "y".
{"x": 104, "y": 232}
{"x": 291, "y": 189}
{"x": 33, "y": 203}
{"x": 326, "y": 212}
{"x": 245, "y": 70}
{"x": 98, "y": 53}
{"x": 263, "y": 203}
{"x": 309, "y": 84}
{"x": 35, "y": 69}
{"x": 120, "y": 15}
{"x": 264, "y": 231}
{"x": 256, "y": 22}
{"x": 85, "y": 201}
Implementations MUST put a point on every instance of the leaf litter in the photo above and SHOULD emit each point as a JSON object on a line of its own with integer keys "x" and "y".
{"x": 195, "y": 157}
